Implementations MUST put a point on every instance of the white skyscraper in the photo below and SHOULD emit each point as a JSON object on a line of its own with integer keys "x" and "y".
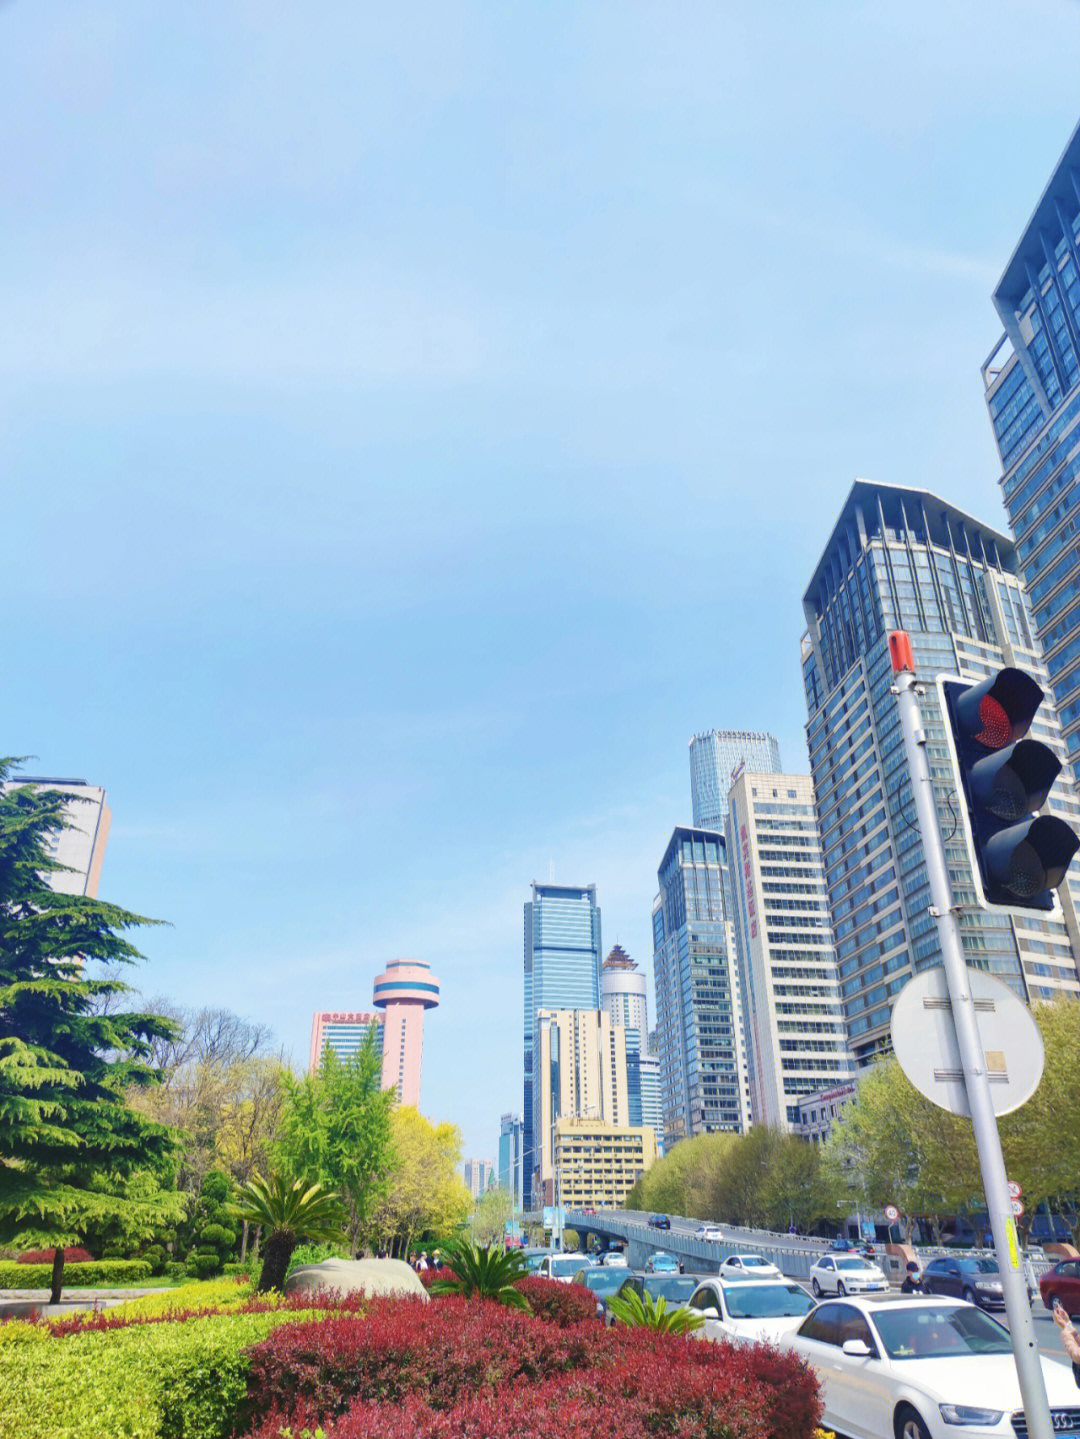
{"x": 714, "y": 756}
{"x": 82, "y": 846}
{"x": 790, "y": 986}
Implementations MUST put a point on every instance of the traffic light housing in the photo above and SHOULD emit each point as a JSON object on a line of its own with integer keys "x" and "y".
{"x": 1019, "y": 857}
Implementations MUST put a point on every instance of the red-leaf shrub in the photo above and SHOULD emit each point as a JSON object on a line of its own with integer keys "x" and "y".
{"x": 428, "y": 1277}
{"x": 560, "y": 1304}
{"x": 469, "y": 1367}
{"x": 46, "y": 1256}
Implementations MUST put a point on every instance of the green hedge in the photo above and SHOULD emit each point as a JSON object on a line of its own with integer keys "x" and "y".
{"x": 148, "y": 1381}
{"x": 107, "y": 1272}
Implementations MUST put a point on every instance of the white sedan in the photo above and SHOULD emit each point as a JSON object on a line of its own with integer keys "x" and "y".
{"x": 613, "y": 1259}
{"x": 747, "y": 1313}
{"x": 922, "y": 1369}
{"x": 847, "y": 1274}
{"x": 748, "y": 1266}
{"x": 563, "y": 1267}
{"x": 711, "y": 1232}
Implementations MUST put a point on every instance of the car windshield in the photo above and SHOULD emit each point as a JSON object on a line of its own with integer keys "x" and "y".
{"x": 854, "y": 1264}
{"x": 978, "y": 1266}
{"x": 767, "y": 1301}
{"x": 601, "y": 1281}
{"x": 753, "y": 1261}
{"x": 676, "y": 1290}
{"x": 569, "y": 1265}
{"x": 939, "y": 1333}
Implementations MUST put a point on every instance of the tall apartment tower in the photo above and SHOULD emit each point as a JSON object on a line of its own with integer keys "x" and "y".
{"x": 791, "y": 992}
{"x": 623, "y": 994}
{"x": 404, "y": 991}
{"x": 81, "y": 847}
{"x": 904, "y": 559}
{"x": 703, "y": 1068}
{"x": 511, "y": 1168}
{"x": 562, "y": 971}
{"x": 714, "y": 755}
{"x": 580, "y": 1074}
{"x": 1032, "y": 382}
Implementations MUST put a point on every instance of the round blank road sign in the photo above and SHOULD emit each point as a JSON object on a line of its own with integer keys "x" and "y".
{"x": 892, "y": 1214}
{"x": 924, "y": 1039}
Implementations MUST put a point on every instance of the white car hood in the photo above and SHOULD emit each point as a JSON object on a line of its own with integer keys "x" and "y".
{"x": 750, "y": 1331}
{"x": 987, "y": 1380}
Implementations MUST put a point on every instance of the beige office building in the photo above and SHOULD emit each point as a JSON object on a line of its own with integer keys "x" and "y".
{"x": 598, "y": 1164}
{"x": 580, "y": 1073}
{"x": 81, "y": 847}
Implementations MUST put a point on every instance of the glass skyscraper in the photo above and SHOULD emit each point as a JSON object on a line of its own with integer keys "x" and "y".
{"x": 703, "y": 1069}
{"x": 511, "y": 1170}
{"x": 562, "y": 971}
{"x": 904, "y": 559}
{"x": 1032, "y": 382}
{"x": 713, "y": 755}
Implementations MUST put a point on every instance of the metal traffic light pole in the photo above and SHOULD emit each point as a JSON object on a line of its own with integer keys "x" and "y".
{"x": 972, "y": 1057}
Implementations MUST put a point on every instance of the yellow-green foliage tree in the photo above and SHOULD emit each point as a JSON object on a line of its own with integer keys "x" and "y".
{"x": 493, "y": 1209}
{"x": 425, "y": 1195}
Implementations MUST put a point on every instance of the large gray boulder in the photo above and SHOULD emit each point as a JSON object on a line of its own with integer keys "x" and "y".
{"x": 356, "y": 1276}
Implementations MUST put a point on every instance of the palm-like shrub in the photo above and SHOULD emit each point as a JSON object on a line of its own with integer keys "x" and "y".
{"x": 642, "y": 1311}
{"x": 288, "y": 1212}
{"x": 488, "y": 1271}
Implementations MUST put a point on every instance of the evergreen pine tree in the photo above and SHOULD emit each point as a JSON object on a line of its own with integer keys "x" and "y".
{"x": 68, "y": 1139}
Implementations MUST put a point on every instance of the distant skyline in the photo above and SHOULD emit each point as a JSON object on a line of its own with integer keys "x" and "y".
{"x": 418, "y": 423}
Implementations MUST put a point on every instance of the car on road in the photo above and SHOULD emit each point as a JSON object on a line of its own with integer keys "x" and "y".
{"x": 613, "y": 1259}
{"x": 748, "y": 1312}
{"x": 921, "y": 1369}
{"x": 662, "y": 1263}
{"x": 534, "y": 1258}
{"x": 1062, "y": 1282}
{"x": 602, "y": 1284}
{"x": 840, "y": 1245}
{"x": 659, "y": 1221}
{"x": 965, "y": 1277}
{"x": 674, "y": 1289}
{"x": 563, "y": 1267}
{"x": 846, "y": 1274}
{"x": 748, "y": 1266}
{"x": 711, "y": 1232}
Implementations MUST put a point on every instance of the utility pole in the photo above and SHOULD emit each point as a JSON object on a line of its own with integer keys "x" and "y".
{"x": 973, "y": 1059}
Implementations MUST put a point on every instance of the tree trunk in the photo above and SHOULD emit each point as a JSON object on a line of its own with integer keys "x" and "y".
{"x": 243, "y": 1242}
{"x": 277, "y": 1253}
{"x": 57, "y": 1275}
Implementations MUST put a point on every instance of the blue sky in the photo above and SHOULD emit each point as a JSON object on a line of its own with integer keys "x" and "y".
{"x": 418, "y": 420}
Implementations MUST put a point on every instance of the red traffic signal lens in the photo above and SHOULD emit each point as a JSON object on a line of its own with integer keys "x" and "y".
{"x": 997, "y": 728}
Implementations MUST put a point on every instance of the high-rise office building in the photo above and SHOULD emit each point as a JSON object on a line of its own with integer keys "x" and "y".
{"x": 580, "y": 1073}
{"x": 80, "y": 847}
{"x": 791, "y": 993}
{"x": 478, "y": 1176}
{"x": 404, "y": 991}
{"x": 714, "y": 756}
{"x": 1032, "y": 381}
{"x": 904, "y": 559}
{"x": 511, "y": 1166}
{"x": 703, "y": 1068}
{"x": 623, "y": 994}
{"x": 344, "y": 1031}
{"x": 562, "y": 970}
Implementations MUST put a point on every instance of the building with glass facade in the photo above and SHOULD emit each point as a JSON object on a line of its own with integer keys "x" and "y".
{"x": 703, "y": 1070}
{"x": 1032, "y": 382}
{"x": 796, "y": 1041}
{"x": 511, "y": 1169}
{"x": 714, "y": 755}
{"x": 904, "y": 559}
{"x": 624, "y": 996}
{"x": 344, "y": 1031}
{"x": 562, "y": 971}
{"x": 579, "y": 1073}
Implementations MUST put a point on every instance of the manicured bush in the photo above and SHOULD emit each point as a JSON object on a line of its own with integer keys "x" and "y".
{"x": 175, "y": 1269}
{"x": 99, "y": 1273}
{"x": 46, "y": 1256}
{"x": 560, "y": 1304}
{"x": 147, "y": 1381}
{"x": 211, "y": 1232}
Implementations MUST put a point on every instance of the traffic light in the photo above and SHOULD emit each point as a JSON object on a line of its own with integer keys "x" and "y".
{"x": 1019, "y": 857}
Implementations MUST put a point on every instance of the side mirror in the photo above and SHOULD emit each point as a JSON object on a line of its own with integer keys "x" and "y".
{"x": 711, "y": 1313}
{"x": 857, "y": 1349}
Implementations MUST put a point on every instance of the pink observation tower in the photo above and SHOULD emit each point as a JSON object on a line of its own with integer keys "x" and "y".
{"x": 404, "y": 990}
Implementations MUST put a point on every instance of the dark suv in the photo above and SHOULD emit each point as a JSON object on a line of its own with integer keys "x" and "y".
{"x": 659, "y": 1221}
{"x": 973, "y": 1279}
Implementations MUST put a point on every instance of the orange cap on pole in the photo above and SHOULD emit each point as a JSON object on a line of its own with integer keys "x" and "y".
{"x": 900, "y": 652}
